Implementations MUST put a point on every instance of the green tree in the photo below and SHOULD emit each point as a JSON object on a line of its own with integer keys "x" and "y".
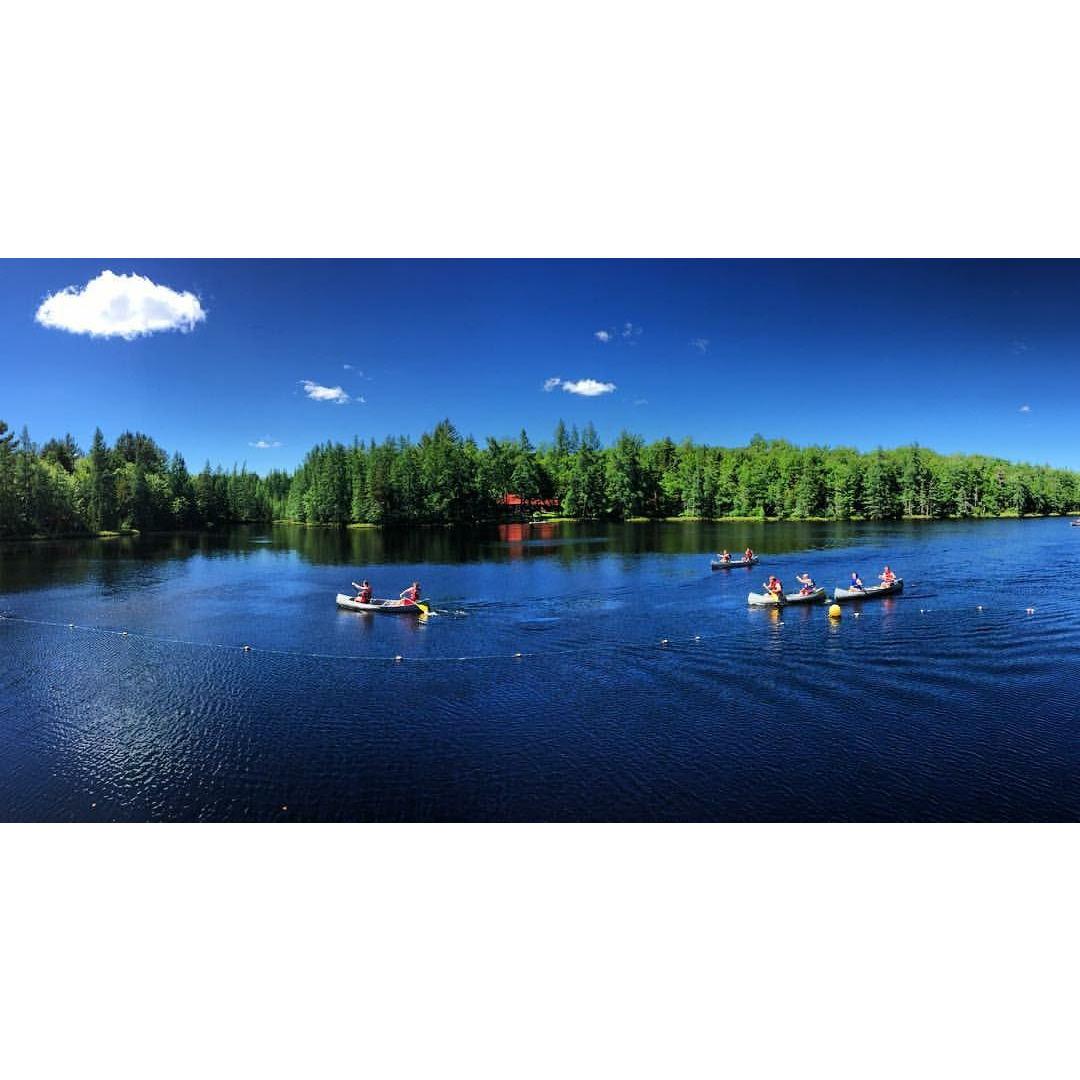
{"x": 585, "y": 496}
{"x": 64, "y": 452}
{"x": 101, "y": 505}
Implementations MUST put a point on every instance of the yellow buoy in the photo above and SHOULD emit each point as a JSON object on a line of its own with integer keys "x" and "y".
{"x": 834, "y": 611}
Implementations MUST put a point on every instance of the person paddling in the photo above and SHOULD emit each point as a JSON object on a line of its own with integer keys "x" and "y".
{"x": 775, "y": 587}
{"x": 725, "y": 556}
{"x": 856, "y": 582}
{"x": 887, "y": 576}
{"x": 807, "y": 583}
{"x": 364, "y": 595}
{"x": 412, "y": 593}
{"x": 748, "y": 554}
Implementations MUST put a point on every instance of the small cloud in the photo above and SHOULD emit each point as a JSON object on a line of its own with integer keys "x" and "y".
{"x": 582, "y": 387}
{"x": 120, "y": 305}
{"x": 265, "y": 444}
{"x": 588, "y": 387}
{"x": 347, "y": 367}
{"x": 326, "y": 393}
{"x": 641, "y": 401}
{"x": 629, "y": 333}
{"x": 701, "y": 344}
{"x": 1019, "y": 346}
{"x": 1025, "y": 408}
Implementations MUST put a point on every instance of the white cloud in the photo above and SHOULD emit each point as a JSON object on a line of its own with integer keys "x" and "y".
{"x": 701, "y": 344}
{"x": 120, "y": 305}
{"x": 326, "y": 393}
{"x": 642, "y": 401}
{"x": 629, "y": 333}
{"x": 265, "y": 444}
{"x": 347, "y": 367}
{"x": 583, "y": 387}
{"x": 588, "y": 387}
{"x": 1025, "y": 408}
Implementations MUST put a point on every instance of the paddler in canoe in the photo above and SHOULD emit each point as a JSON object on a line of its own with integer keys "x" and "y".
{"x": 748, "y": 554}
{"x": 364, "y": 595}
{"x": 775, "y": 587}
{"x": 887, "y": 576}
{"x": 725, "y": 556}
{"x": 411, "y": 595}
{"x": 856, "y": 582}
{"x": 807, "y": 583}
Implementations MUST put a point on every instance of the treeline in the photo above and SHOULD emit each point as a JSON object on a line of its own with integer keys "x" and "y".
{"x": 57, "y": 488}
{"x": 445, "y": 478}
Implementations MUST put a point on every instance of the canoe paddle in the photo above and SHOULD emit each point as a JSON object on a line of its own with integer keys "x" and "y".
{"x": 421, "y": 604}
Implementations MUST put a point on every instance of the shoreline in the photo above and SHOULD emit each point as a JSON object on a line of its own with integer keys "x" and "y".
{"x": 122, "y": 534}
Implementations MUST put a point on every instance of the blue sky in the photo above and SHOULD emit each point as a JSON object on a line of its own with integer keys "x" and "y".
{"x": 959, "y": 356}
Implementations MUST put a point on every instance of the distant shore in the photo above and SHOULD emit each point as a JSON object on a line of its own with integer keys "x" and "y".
{"x": 120, "y": 534}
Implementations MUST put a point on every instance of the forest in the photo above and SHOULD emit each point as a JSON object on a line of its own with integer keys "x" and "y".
{"x": 444, "y": 478}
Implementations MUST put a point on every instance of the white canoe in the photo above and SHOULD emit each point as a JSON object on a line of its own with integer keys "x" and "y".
{"x": 387, "y": 607}
{"x": 869, "y": 592}
{"x": 756, "y": 599}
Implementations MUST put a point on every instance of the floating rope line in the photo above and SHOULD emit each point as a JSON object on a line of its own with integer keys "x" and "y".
{"x": 663, "y": 643}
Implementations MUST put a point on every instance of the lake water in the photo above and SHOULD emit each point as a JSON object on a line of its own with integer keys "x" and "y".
{"x": 948, "y": 702}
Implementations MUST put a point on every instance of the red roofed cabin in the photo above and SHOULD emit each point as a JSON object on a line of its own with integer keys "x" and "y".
{"x": 515, "y": 504}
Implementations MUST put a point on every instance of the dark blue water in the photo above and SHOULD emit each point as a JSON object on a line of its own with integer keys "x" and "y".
{"x": 949, "y": 702}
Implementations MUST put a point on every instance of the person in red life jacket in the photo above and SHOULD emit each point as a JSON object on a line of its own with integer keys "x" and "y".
{"x": 364, "y": 596}
{"x": 412, "y": 593}
{"x": 725, "y": 556}
{"x": 887, "y": 576}
{"x": 748, "y": 554}
{"x": 775, "y": 587}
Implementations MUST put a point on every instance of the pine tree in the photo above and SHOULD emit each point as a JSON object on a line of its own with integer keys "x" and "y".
{"x": 101, "y": 509}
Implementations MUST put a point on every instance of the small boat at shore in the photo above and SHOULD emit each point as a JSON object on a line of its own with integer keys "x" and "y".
{"x": 730, "y": 564}
{"x": 385, "y": 607}
{"x": 870, "y": 592}
{"x": 768, "y": 600}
